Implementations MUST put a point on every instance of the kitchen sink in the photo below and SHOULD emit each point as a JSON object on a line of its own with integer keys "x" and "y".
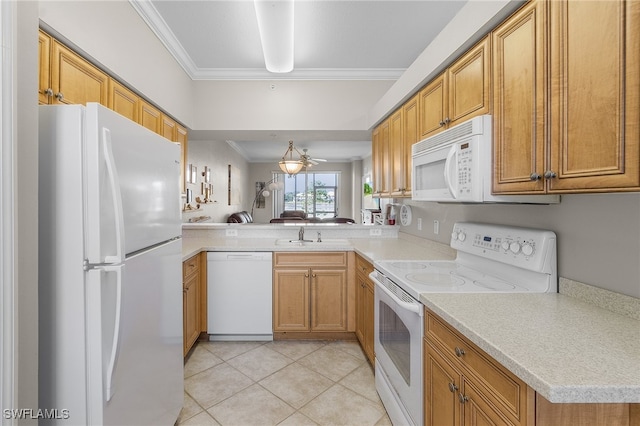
{"x": 323, "y": 242}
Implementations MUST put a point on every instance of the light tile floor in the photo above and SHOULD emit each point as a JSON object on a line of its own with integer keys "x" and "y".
{"x": 280, "y": 383}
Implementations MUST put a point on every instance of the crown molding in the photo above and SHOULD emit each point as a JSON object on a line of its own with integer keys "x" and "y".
{"x": 158, "y": 25}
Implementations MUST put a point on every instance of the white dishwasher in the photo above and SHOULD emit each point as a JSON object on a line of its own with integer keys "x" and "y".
{"x": 239, "y": 293}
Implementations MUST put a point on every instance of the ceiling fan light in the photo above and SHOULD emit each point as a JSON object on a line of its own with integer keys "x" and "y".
{"x": 275, "y": 23}
{"x": 290, "y": 167}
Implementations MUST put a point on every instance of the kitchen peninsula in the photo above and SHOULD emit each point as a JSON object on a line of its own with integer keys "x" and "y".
{"x": 568, "y": 348}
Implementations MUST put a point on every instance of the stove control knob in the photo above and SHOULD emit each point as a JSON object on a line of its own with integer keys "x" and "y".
{"x": 527, "y": 249}
{"x": 515, "y": 247}
{"x": 454, "y": 235}
{"x": 462, "y": 236}
{"x": 505, "y": 245}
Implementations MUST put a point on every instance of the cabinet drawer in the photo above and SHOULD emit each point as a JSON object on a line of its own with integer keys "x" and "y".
{"x": 310, "y": 259}
{"x": 363, "y": 266}
{"x": 503, "y": 387}
{"x": 190, "y": 266}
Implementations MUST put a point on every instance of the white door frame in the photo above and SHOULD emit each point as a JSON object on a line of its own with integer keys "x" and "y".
{"x": 8, "y": 295}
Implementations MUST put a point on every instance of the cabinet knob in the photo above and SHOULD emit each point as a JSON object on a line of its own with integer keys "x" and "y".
{"x": 441, "y": 123}
{"x": 59, "y": 96}
{"x": 550, "y": 174}
{"x": 535, "y": 176}
{"x": 447, "y": 120}
{"x": 463, "y": 398}
{"x": 452, "y": 387}
{"x": 48, "y": 92}
{"x": 459, "y": 352}
{"x": 313, "y": 275}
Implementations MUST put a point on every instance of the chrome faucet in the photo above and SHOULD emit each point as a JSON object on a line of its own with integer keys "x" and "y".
{"x": 301, "y": 234}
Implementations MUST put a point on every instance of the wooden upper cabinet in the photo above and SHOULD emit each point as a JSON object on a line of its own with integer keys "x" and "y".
{"x": 469, "y": 84}
{"x": 381, "y": 161}
{"x": 150, "y": 117}
{"x": 74, "y": 80}
{"x": 433, "y": 107}
{"x": 45, "y": 92}
{"x": 460, "y": 93}
{"x": 396, "y": 153}
{"x": 169, "y": 128}
{"x": 595, "y": 96}
{"x": 182, "y": 139}
{"x": 123, "y": 101}
{"x": 411, "y": 135}
{"x": 519, "y": 97}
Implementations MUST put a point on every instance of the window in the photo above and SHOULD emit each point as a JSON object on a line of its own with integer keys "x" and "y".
{"x": 314, "y": 193}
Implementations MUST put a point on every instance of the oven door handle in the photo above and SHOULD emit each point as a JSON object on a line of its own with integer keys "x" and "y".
{"x": 412, "y": 307}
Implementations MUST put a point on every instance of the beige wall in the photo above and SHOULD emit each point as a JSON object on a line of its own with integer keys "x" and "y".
{"x": 292, "y": 105}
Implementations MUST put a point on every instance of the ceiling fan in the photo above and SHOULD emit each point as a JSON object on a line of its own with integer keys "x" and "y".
{"x": 307, "y": 161}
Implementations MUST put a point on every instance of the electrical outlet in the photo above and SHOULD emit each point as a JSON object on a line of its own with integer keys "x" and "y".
{"x": 436, "y": 227}
{"x": 231, "y": 232}
{"x": 375, "y": 232}
{"x": 419, "y": 223}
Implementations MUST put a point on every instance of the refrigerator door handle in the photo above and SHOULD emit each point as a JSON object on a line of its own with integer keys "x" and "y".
{"x": 116, "y": 329}
{"x": 114, "y": 182}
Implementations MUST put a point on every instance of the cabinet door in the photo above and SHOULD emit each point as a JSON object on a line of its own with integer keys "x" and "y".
{"x": 74, "y": 80}
{"x": 411, "y": 135}
{"x": 368, "y": 305}
{"x": 123, "y": 101}
{"x": 519, "y": 96}
{"x": 376, "y": 160}
{"x": 441, "y": 385}
{"x": 360, "y": 300}
{"x": 396, "y": 153}
{"x": 150, "y": 117}
{"x": 328, "y": 300}
{"x": 191, "y": 314}
{"x": 595, "y": 95}
{"x": 168, "y": 127}
{"x": 384, "y": 159}
{"x": 291, "y": 300}
{"x": 476, "y": 411}
{"x": 182, "y": 140}
{"x": 45, "y": 91}
{"x": 433, "y": 107}
{"x": 468, "y": 81}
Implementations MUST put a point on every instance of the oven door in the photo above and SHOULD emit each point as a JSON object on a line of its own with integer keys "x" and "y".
{"x": 398, "y": 347}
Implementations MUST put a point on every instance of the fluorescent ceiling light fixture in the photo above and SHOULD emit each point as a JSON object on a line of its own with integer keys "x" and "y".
{"x": 275, "y": 22}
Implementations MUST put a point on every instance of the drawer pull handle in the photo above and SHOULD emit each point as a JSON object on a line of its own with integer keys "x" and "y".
{"x": 459, "y": 352}
{"x": 452, "y": 387}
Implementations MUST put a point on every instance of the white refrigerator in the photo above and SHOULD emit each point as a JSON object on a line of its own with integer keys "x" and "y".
{"x": 110, "y": 270}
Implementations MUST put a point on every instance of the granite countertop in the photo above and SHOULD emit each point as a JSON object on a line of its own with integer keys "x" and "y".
{"x": 370, "y": 248}
{"x": 565, "y": 349}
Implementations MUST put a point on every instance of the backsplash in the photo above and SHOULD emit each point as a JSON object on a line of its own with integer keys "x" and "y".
{"x": 615, "y": 302}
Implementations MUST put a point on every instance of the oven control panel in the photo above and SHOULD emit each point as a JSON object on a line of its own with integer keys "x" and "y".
{"x": 528, "y": 248}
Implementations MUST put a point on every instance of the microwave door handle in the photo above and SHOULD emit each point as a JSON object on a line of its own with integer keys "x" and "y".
{"x": 449, "y": 172}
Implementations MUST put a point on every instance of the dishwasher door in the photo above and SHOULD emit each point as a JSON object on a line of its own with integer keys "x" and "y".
{"x": 239, "y": 292}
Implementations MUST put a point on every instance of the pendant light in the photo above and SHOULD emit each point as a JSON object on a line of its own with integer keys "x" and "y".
{"x": 289, "y": 165}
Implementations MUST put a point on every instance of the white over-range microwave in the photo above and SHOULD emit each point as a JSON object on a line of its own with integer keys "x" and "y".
{"x": 455, "y": 166}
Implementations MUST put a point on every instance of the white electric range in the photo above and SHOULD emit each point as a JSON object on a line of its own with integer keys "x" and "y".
{"x": 490, "y": 258}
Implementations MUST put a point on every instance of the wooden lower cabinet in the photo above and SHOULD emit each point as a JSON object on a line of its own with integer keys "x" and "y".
{"x": 194, "y": 293}
{"x": 465, "y": 386}
{"x": 364, "y": 307}
{"x": 311, "y": 294}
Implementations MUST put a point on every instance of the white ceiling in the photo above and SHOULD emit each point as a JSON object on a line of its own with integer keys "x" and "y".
{"x": 334, "y": 40}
